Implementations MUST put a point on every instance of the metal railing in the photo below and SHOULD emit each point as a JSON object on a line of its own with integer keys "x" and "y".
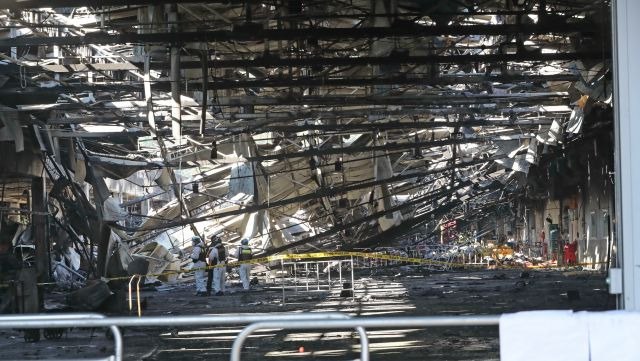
{"x": 82, "y": 320}
{"x": 442, "y": 256}
{"x": 90, "y": 320}
{"x": 291, "y": 268}
{"x": 139, "y": 277}
{"x": 360, "y": 324}
{"x": 255, "y": 322}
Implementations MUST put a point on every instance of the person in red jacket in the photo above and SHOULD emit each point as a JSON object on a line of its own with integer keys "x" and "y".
{"x": 570, "y": 252}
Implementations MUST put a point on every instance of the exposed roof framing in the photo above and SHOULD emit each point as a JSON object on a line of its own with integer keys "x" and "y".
{"x": 34, "y": 4}
{"x": 324, "y": 33}
{"x": 274, "y": 61}
{"x": 296, "y": 124}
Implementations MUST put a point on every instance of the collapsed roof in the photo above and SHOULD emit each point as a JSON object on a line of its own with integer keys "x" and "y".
{"x": 296, "y": 124}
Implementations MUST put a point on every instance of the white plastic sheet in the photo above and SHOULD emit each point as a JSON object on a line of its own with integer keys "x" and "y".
{"x": 613, "y": 335}
{"x": 543, "y": 336}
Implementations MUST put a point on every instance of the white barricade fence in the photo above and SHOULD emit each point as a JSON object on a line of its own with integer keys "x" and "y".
{"x": 599, "y": 335}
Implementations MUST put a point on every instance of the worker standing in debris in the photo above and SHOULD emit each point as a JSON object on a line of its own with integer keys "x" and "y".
{"x": 198, "y": 256}
{"x": 218, "y": 257}
{"x": 244, "y": 254}
{"x": 209, "y": 269}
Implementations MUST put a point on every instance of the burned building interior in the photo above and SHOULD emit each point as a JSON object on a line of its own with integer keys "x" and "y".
{"x": 378, "y": 158}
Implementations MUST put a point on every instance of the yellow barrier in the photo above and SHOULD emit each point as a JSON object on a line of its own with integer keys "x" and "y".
{"x": 317, "y": 255}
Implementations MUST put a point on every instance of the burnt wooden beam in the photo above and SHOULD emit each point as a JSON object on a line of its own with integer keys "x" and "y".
{"x": 35, "y": 95}
{"x": 398, "y": 80}
{"x": 431, "y": 99}
{"x": 257, "y": 34}
{"x": 276, "y": 116}
{"x": 274, "y": 61}
{"x": 370, "y": 126}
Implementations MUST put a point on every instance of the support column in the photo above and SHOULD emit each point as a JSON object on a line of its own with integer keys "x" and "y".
{"x": 151, "y": 119}
{"x": 205, "y": 88}
{"x": 148, "y": 96}
{"x": 176, "y": 116}
{"x": 627, "y": 132}
{"x": 39, "y": 224}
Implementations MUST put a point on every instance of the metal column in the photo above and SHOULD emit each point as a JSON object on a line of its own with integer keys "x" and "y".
{"x": 282, "y": 273}
{"x": 39, "y": 221}
{"x": 353, "y": 285}
{"x": 627, "y": 131}
{"x": 176, "y": 111}
{"x": 295, "y": 276}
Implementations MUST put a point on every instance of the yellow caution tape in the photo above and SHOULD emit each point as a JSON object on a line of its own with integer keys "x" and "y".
{"x": 372, "y": 255}
{"x": 337, "y": 254}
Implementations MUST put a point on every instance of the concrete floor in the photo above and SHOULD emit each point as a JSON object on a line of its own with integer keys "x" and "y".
{"x": 391, "y": 292}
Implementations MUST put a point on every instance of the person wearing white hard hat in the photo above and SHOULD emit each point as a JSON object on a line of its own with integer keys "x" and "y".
{"x": 199, "y": 256}
{"x": 244, "y": 254}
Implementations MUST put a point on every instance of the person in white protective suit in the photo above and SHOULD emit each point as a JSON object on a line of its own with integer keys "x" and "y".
{"x": 244, "y": 254}
{"x": 198, "y": 256}
{"x": 218, "y": 258}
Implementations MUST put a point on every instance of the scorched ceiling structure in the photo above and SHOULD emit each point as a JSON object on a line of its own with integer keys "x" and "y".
{"x": 307, "y": 124}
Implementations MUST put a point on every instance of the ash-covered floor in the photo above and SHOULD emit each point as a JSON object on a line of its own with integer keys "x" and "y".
{"x": 389, "y": 292}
